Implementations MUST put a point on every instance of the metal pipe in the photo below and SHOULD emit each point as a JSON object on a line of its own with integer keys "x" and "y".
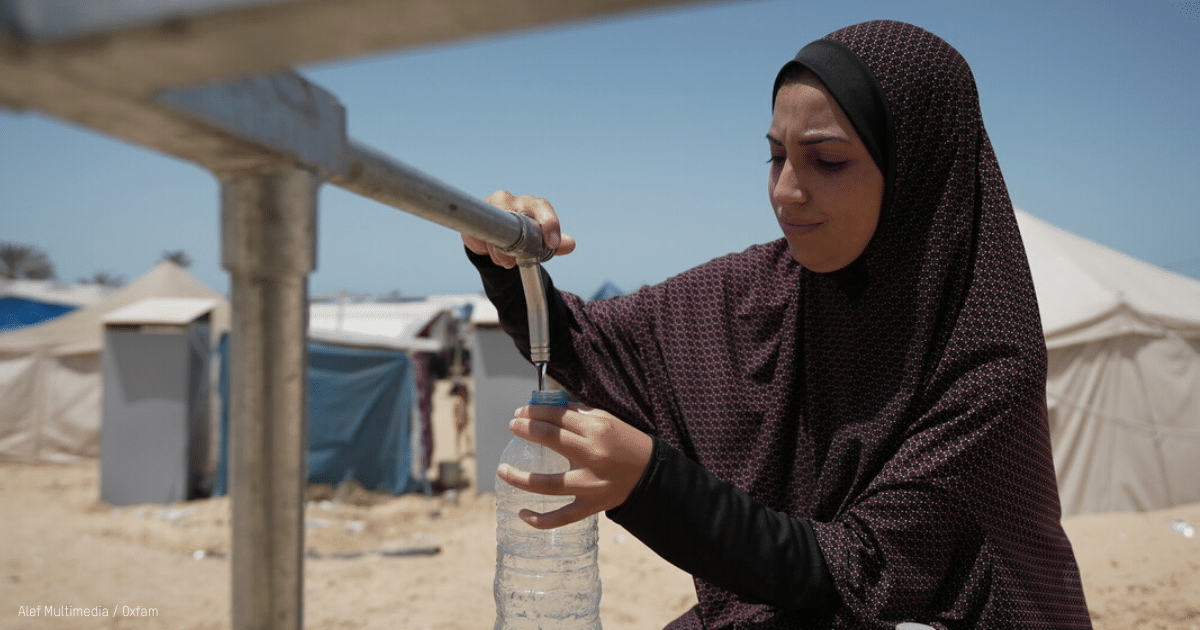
{"x": 268, "y": 239}
{"x": 376, "y": 175}
{"x": 539, "y": 318}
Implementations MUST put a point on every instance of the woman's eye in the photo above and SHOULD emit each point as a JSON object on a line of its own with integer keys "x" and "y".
{"x": 776, "y": 159}
{"x": 831, "y": 166}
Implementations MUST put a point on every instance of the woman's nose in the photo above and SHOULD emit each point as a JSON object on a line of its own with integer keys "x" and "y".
{"x": 787, "y": 188}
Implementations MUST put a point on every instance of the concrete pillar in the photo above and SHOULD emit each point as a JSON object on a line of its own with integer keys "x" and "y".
{"x": 268, "y": 234}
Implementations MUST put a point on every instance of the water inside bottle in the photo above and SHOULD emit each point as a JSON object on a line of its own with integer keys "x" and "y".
{"x": 545, "y": 579}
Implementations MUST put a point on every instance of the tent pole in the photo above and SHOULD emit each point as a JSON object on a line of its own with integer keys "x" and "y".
{"x": 268, "y": 234}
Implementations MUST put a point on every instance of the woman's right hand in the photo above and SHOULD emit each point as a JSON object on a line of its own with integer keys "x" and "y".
{"x": 535, "y": 208}
{"x": 608, "y": 458}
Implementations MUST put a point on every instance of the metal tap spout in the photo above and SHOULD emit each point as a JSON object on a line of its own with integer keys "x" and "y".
{"x": 539, "y": 320}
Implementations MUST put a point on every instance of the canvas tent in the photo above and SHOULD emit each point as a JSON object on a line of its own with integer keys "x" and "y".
{"x": 431, "y": 332}
{"x": 1123, "y": 387}
{"x": 364, "y": 420}
{"x": 51, "y": 381}
{"x": 16, "y": 312}
{"x": 50, "y": 373}
{"x": 606, "y": 290}
{"x": 501, "y": 378}
{"x": 28, "y": 302}
{"x": 371, "y": 379}
{"x": 426, "y": 325}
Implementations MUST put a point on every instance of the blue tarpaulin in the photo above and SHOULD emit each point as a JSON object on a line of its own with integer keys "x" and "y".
{"x": 18, "y": 312}
{"x": 606, "y": 290}
{"x": 360, "y": 405}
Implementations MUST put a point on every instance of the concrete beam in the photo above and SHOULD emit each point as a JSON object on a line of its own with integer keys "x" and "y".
{"x": 138, "y": 47}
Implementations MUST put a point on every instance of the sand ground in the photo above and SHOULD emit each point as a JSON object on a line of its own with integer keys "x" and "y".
{"x": 167, "y": 566}
{"x": 63, "y": 548}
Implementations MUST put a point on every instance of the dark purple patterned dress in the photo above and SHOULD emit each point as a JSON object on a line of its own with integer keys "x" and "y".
{"x": 896, "y": 408}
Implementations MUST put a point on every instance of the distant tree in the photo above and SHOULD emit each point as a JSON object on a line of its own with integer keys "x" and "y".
{"x": 179, "y": 257}
{"x": 22, "y": 261}
{"x": 104, "y": 279}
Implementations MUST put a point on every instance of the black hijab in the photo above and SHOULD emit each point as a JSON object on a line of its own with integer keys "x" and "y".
{"x": 940, "y": 366}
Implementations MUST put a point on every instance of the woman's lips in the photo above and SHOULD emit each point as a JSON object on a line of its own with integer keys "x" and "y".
{"x": 798, "y": 229}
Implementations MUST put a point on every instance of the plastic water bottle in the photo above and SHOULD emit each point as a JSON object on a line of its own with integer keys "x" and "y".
{"x": 545, "y": 579}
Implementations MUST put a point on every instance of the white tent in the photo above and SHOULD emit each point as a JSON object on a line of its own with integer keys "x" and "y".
{"x": 54, "y": 292}
{"x": 50, "y": 375}
{"x": 426, "y": 325}
{"x": 1124, "y": 376}
{"x": 1123, "y": 386}
{"x": 425, "y": 329}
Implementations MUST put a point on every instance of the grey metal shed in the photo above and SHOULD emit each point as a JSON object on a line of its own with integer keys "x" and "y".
{"x": 504, "y": 381}
{"x": 155, "y": 425}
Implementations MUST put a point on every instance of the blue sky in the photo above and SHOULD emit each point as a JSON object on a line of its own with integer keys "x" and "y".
{"x": 646, "y": 132}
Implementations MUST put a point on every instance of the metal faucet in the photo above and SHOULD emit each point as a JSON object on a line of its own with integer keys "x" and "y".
{"x": 399, "y": 185}
{"x": 539, "y": 319}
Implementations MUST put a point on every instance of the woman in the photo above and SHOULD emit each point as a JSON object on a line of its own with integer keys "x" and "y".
{"x": 844, "y": 428}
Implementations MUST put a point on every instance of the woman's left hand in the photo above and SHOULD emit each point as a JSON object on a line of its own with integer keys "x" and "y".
{"x": 607, "y": 459}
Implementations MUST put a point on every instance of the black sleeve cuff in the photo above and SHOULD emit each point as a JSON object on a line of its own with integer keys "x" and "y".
{"x": 718, "y": 533}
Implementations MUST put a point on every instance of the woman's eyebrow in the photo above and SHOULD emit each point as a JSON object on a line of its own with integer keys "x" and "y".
{"x": 816, "y": 139}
